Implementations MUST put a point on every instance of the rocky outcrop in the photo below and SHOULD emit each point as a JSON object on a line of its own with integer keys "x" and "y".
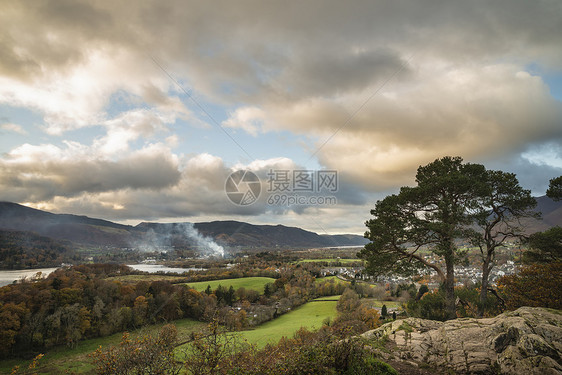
{"x": 526, "y": 341}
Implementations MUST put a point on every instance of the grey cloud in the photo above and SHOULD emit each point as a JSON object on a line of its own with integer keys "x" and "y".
{"x": 41, "y": 180}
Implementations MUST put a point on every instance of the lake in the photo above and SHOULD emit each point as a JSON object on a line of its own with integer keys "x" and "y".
{"x": 153, "y": 268}
{"x": 8, "y": 277}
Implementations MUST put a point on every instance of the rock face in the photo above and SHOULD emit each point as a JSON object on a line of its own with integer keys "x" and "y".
{"x": 526, "y": 341}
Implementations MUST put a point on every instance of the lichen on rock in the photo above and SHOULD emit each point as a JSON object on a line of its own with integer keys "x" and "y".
{"x": 525, "y": 341}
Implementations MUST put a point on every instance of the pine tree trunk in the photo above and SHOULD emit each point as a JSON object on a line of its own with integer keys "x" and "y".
{"x": 484, "y": 288}
{"x": 450, "y": 288}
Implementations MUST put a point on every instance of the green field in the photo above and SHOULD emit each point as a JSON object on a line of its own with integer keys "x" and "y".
{"x": 335, "y": 279}
{"x": 254, "y": 283}
{"x": 310, "y": 315}
{"x": 63, "y": 359}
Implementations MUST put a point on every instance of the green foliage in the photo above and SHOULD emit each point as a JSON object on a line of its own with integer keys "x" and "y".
{"x": 405, "y": 327}
{"x": 370, "y": 366}
{"x": 554, "y": 190}
{"x": 434, "y": 214}
{"x": 253, "y": 283}
{"x": 354, "y": 317}
{"x": 423, "y": 289}
{"x": 452, "y": 201}
{"x": 431, "y": 306}
{"x": 31, "y": 367}
{"x": 545, "y": 246}
{"x": 321, "y": 353}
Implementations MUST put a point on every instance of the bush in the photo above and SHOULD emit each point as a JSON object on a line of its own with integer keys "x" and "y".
{"x": 370, "y": 366}
{"x": 143, "y": 355}
{"x": 537, "y": 285}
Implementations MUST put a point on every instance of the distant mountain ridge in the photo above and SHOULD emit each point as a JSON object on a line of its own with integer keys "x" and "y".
{"x": 99, "y": 232}
{"x": 229, "y": 233}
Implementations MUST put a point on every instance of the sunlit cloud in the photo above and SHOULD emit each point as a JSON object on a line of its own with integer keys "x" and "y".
{"x": 133, "y": 97}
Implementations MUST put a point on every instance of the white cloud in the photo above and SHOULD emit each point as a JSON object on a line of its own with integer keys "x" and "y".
{"x": 447, "y": 78}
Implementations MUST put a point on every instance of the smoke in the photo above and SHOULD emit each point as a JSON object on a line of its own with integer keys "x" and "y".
{"x": 164, "y": 237}
{"x": 202, "y": 242}
{"x": 153, "y": 241}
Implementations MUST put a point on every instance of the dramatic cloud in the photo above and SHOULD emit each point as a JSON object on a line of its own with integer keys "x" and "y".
{"x": 130, "y": 98}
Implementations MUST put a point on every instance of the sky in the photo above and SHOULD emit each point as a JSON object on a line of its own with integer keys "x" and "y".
{"x": 140, "y": 111}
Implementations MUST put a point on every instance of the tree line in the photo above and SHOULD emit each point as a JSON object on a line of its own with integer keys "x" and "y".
{"x": 83, "y": 301}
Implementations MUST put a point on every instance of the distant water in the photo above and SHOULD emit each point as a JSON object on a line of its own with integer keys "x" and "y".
{"x": 8, "y": 277}
{"x": 153, "y": 268}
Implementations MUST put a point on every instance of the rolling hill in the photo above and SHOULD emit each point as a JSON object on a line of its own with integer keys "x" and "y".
{"x": 99, "y": 232}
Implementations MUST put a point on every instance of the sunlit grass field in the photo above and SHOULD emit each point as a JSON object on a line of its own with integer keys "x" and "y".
{"x": 310, "y": 315}
{"x": 334, "y": 278}
{"x": 253, "y": 283}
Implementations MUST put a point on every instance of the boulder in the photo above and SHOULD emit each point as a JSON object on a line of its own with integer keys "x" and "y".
{"x": 525, "y": 341}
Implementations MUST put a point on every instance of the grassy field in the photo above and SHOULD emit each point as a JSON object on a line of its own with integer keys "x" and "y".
{"x": 328, "y": 278}
{"x": 62, "y": 359}
{"x": 310, "y": 315}
{"x": 254, "y": 283}
{"x": 65, "y": 360}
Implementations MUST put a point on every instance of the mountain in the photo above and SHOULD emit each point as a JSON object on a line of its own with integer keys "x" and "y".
{"x": 99, "y": 232}
{"x": 79, "y": 229}
{"x": 551, "y": 213}
{"x": 235, "y": 233}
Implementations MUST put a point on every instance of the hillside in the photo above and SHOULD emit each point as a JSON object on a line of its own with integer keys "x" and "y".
{"x": 231, "y": 234}
{"x": 551, "y": 213}
{"x": 28, "y": 250}
{"x": 99, "y": 232}
{"x": 235, "y": 233}
{"x": 79, "y": 229}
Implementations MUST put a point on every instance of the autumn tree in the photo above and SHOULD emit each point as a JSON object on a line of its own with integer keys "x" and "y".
{"x": 142, "y": 355}
{"x": 354, "y": 316}
{"x": 535, "y": 285}
{"x": 432, "y": 215}
{"x": 209, "y": 349}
